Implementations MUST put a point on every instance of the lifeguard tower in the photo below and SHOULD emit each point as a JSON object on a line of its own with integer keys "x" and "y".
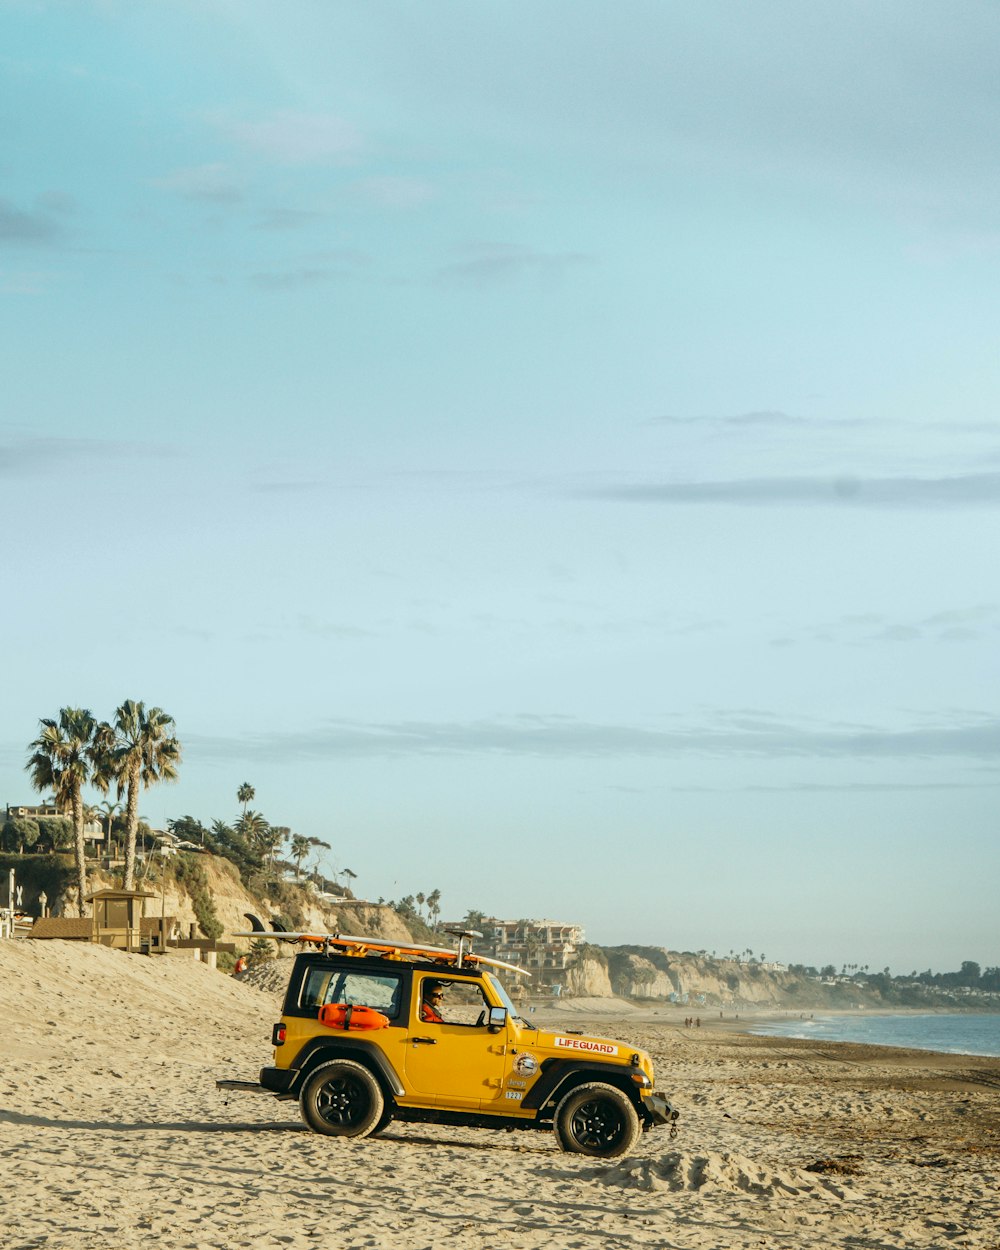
{"x": 118, "y": 918}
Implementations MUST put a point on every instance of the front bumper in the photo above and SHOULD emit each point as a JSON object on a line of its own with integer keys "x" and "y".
{"x": 657, "y": 1109}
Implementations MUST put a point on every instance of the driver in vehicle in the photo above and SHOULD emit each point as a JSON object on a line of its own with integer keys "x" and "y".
{"x": 432, "y": 997}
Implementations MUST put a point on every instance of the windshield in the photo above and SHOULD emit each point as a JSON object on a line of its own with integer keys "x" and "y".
{"x": 505, "y": 998}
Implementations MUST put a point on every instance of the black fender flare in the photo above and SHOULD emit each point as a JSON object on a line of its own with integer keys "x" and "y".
{"x": 559, "y": 1076}
{"x": 320, "y": 1050}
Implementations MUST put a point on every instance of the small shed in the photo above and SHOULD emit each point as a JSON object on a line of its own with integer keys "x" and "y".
{"x": 118, "y": 917}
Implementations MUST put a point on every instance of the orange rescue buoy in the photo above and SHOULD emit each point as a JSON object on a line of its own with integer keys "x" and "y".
{"x": 347, "y": 1016}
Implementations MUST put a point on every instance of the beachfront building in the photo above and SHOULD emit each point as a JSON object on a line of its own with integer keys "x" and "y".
{"x": 92, "y": 830}
{"x": 546, "y": 946}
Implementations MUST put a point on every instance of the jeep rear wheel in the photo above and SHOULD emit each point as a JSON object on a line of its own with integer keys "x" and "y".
{"x": 597, "y": 1119}
{"x": 342, "y": 1099}
{"x": 384, "y": 1121}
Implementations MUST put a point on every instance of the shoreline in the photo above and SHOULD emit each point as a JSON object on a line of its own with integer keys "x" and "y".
{"x": 752, "y": 1025}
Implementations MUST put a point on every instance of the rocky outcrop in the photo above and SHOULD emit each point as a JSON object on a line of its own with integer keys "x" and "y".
{"x": 371, "y": 920}
{"x": 588, "y": 978}
{"x": 634, "y": 976}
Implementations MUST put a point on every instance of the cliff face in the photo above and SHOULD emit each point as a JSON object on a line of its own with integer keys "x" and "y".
{"x": 232, "y": 901}
{"x": 651, "y": 972}
{"x": 588, "y": 978}
{"x": 655, "y": 973}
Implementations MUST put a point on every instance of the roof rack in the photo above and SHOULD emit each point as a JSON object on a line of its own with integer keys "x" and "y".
{"x": 361, "y": 946}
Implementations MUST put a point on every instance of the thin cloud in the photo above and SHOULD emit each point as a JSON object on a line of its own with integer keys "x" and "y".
{"x": 289, "y": 219}
{"x": 21, "y": 456}
{"x": 333, "y": 629}
{"x": 293, "y": 138}
{"x": 776, "y": 419}
{"x": 290, "y": 487}
{"x": 955, "y": 625}
{"x": 316, "y": 269}
{"x": 294, "y": 279}
{"x": 34, "y": 227}
{"x": 24, "y": 282}
{"x": 847, "y": 787}
{"x": 764, "y": 418}
{"x": 212, "y": 184}
{"x": 393, "y": 191}
{"x": 500, "y": 263}
{"x": 974, "y": 490}
{"x": 560, "y": 737}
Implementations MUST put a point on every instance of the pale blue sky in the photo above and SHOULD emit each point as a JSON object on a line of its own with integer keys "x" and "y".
{"x": 550, "y": 450}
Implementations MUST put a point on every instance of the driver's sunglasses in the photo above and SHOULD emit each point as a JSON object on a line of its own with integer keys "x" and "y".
{"x": 436, "y": 996}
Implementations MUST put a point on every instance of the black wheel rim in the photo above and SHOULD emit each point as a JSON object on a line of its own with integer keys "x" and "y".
{"x": 342, "y": 1101}
{"x": 597, "y": 1124}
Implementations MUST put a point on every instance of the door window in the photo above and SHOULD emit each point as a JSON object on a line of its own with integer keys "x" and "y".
{"x": 455, "y": 1002}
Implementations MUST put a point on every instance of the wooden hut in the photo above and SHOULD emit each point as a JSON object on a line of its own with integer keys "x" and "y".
{"x": 118, "y": 917}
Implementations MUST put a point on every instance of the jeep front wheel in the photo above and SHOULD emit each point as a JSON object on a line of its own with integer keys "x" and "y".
{"x": 342, "y": 1099}
{"x": 597, "y": 1119}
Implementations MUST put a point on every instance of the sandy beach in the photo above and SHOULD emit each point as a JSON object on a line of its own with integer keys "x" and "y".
{"x": 112, "y": 1134}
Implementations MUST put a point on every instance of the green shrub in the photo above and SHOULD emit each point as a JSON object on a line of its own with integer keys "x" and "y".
{"x": 19, "y": 834}
{"x": 190, "y": 873}
{"x": 56, "y": 832}
{"x": 261, "y": 951}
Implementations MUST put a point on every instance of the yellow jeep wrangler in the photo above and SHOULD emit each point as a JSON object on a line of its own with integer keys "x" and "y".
{"x": 372, "y": 1032}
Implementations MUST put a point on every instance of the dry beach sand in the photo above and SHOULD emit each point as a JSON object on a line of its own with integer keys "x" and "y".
{"x": 112, "y": 1135}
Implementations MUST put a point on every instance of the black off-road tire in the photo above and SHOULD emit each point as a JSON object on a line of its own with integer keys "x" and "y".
{"x": 342, "y": 1099}
{"x": 597, "y": 1119}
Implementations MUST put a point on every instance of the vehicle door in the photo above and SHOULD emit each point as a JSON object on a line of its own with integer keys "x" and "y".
{"x": 455, "y": 1060}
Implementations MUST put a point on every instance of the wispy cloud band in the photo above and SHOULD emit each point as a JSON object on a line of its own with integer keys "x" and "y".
{"x": 555, "y": 737}
{"x": 980, "y": 490}
{"x": 19, "y": 456}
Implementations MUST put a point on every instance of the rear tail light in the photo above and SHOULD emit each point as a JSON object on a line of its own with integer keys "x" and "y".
{"x": 278, "y": 1034}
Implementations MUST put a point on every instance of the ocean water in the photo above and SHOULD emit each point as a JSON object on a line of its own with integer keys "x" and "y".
{"x": 954, "y": 1033}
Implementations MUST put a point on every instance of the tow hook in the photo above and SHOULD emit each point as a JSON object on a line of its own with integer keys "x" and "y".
{"x": 673, "y": 1124}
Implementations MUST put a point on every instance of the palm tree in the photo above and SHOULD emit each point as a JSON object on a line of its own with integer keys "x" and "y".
{"x": 299, "y": 850}
{"x": 92, "y": 816}
{"x": 138, "y": 750}
{"x": 252, "y": 827}
{"x": 110, "y": 808}
{"x": 63, "y": 761}
{"x": 434, "y": 906}
{"x": 245, "y": 795}
{"x": 272, "y": 840}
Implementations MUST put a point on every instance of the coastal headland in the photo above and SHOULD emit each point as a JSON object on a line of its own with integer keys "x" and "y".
{"x": 112, "y": 1133}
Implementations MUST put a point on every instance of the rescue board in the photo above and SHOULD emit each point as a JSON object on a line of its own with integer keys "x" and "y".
{"x": 392, "y": 950}
{"x": 349, "y": 1016}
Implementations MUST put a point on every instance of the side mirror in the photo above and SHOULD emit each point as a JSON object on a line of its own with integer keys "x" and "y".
{"x": 498, "y": 1019}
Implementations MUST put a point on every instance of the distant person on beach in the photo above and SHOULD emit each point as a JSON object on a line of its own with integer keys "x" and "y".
{"x": 241, "y": 966}
{"x": 432, "y": 997}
